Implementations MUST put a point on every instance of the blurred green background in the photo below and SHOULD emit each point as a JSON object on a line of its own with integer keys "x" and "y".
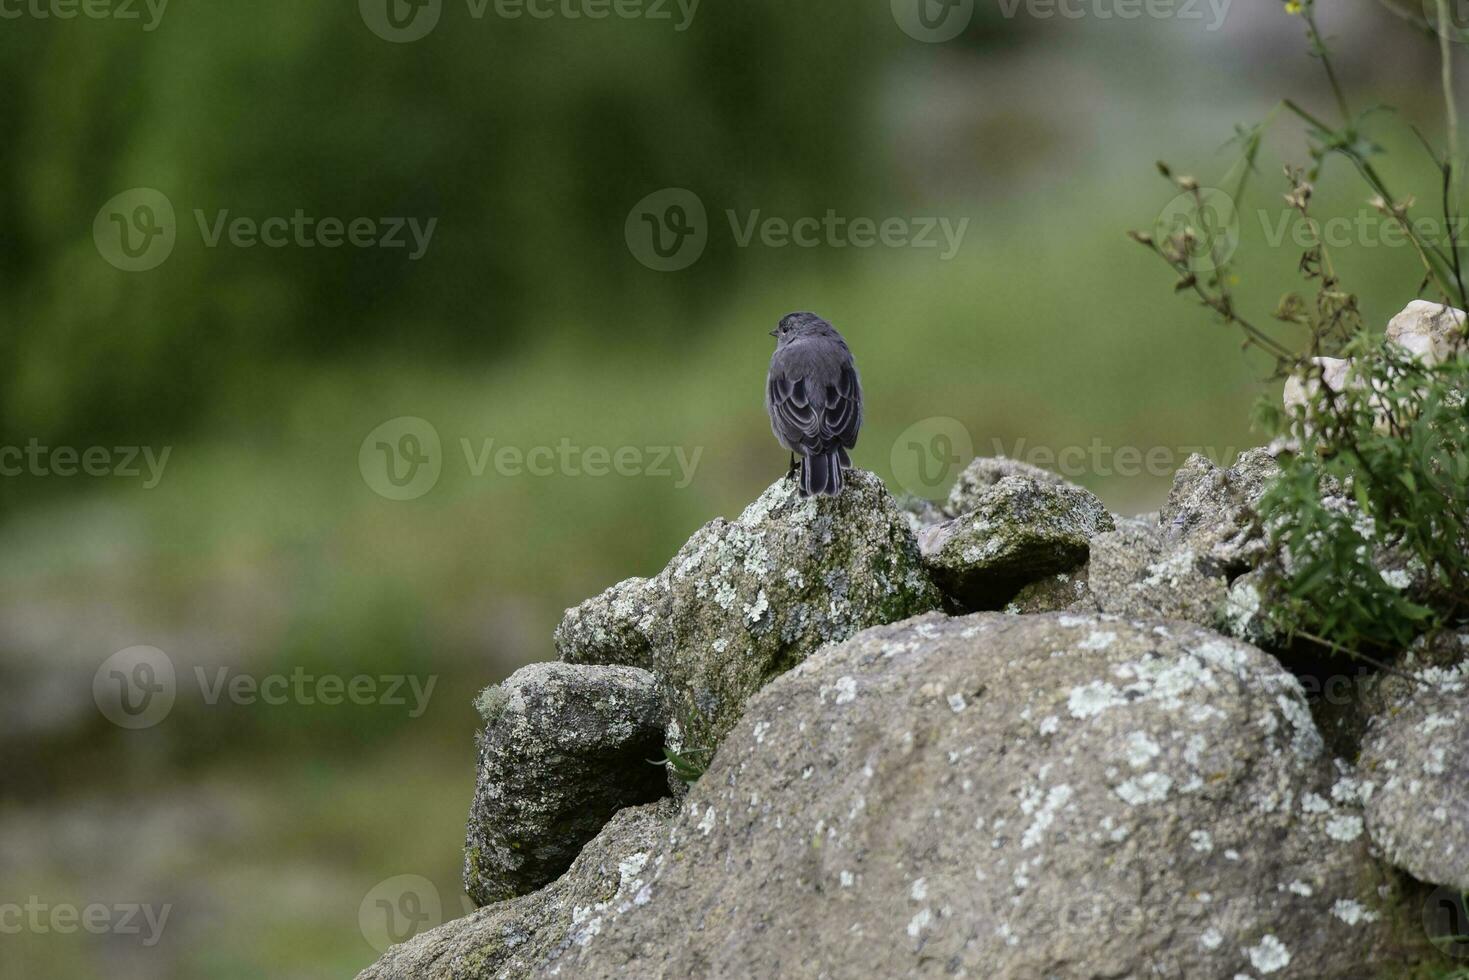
{"x": 265, "y": 549}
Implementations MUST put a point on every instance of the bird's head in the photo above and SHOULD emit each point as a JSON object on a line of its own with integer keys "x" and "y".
{"x": 794, "y": 326}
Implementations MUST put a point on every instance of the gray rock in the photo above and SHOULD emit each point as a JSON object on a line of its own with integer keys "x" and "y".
{"x": 744, "y": 601}
{"x": 1415, "y": 767}
{"x": 1212, "y": 511}
{"x": 984, "y": 472}
{"x": 1017, "y": 796}
{"x": 1019, "y": 530}
{"x": 920, "y": 512}
{"x": 1134, "y": 572}
{"x": 615, "y": 627}
{"x": 564, "y": 748}
{"x": 510, "y": 938}
{"x": 1062, "y": 592}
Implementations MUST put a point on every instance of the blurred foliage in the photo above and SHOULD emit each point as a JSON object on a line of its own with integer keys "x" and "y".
{"x": 528, "y": 142}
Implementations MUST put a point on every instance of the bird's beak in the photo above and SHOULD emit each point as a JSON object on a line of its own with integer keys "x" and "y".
{"x": 774, "y": 332}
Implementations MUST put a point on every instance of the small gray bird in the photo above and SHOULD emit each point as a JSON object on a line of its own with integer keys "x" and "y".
{"x": 814, "y": 398}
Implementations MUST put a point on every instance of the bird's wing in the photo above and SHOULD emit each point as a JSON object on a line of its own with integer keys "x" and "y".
{"x": 791, "y": 410}
{"x": 820, "y": 410}
{"x": 843, "y": 415}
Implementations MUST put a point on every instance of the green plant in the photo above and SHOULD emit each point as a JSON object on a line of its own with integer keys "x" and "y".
{"x": 1369, "y": 517}
{"x": 688, "y": 766}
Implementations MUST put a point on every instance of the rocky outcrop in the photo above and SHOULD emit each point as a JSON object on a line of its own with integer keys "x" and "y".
{"x": 1018, "y": 530}
{"x": 1015, "y": 797}
{"x": 973, "y": 484}
{"x": 533, "y": 932}
{"x": 1113, "y": 790}
{"x": 1415, "y": 765}
{"x": 564, "y": 748}
{"x": 745, "y": 600}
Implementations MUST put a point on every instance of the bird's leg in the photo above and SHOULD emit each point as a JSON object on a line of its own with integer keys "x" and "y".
{"x": 791, "y": 473}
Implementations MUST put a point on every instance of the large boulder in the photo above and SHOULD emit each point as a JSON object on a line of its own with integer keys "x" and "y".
{"x": 1019, "y": 530}
{"x": 511, "y": 938}
{"x": 564, "y": 748}
{"x": 1415, "y": 765}
{"x": 745, "y": 600}
{"x": 1016, "y": 796}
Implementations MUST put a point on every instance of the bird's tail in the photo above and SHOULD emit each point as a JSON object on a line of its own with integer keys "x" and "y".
{"x": 821, "y": 473}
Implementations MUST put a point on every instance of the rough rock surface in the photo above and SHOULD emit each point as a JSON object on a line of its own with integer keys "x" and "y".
{"x": 1136, "y": 571}
{"x": 1415, "y": 767}
{"x": 744, "y": 601}
{"x": 564, "y": 748}
{"x": 1062, "y": 592}
{"x": 511, "y": 938}
{"x": 974, "y": 482}
{"x": 1212, "y": 511}
{"x": 1019, "y": 530}
{"x": 1005, "y": 796}
{"x": 1433, "y": 332}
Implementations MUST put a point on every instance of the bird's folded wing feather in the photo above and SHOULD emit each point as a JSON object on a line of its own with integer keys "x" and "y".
{"x": 823, "y": 415}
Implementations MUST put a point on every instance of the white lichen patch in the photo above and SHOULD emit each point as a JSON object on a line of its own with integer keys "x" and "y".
{"x": 1211, "y": 938}
{"x": 1139, "y": 749}
{"x": 1269, "y": 955}
{"x": 1098, "y": 640}
{"x": 1344, "y": 828}
{"x": 919, "y": 922}
{"x": 1150, "y": 787}
{"x": 1056, "y": 798}
{"x": 1093, "y": 699}
{"x": 1352, "y": 911}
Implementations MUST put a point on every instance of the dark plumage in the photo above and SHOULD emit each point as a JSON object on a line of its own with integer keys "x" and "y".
{"x": 814, "y": 398}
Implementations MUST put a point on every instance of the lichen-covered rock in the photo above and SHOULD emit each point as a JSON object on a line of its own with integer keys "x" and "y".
{"x": 1134, "y": 572}
{"x": 920, "y": 512}
{"x": 975, "y": 480}
{"x": 615, "y": 627}
{"x": 1246, "y": 611}
{"x": 564, "y": 747}
{"x": 1017, "y": 796}
{"x": 510, "y": 938}
{"x": 1062, "y": 592}
{"x": 1213, "y": 511}
{"x": 1018, "y": 531}
{"x": 746, "y": 600}
{"x": 1415, "y": 766}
